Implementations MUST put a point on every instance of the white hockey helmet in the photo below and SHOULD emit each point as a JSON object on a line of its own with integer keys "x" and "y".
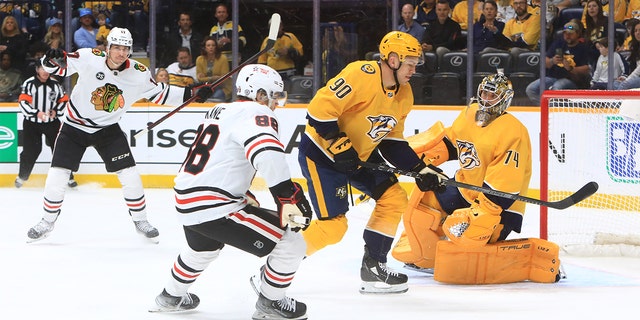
{"x": 119, "y": 36}
{"x": 501, "y": 93}
{"x": 255, "y": 77}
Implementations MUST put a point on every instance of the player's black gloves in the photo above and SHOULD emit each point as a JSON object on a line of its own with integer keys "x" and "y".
{"x": 202, "y": 92}
{"x": 293, "y": 207}
{"x": 55, "y": 58}
{"x": 431, "y": 178}
{"x": 345, "y": 156}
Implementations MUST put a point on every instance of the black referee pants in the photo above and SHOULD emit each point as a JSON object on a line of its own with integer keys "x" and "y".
{"x": 32, "y": 143}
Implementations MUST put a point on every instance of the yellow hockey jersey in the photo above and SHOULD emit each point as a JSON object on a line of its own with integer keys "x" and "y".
{"x": 366, "y": 111}
{"x": 498, "y": 155}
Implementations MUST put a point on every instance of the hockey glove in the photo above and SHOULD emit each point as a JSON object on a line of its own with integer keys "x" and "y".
{"x": 55, "y": 58}
{"x": 293, "y": 207}
{"x": 344, "y": 155}
{"x": 473, "y": 226}
{"x": 431, "y": 178}
{"x": 202, "y": 92}
{"x": 251, "y": 199}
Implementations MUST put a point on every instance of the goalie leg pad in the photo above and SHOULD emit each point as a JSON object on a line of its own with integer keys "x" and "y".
{"x": 422, "y": 230}
{"x": 322, "y": 233}
{"x": 502, "y": 262}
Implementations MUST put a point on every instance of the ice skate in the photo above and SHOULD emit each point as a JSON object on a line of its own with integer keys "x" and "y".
{"x": 285, "y": 308}
{"x": 168, "y": 303}
{"x": 146, "y": 229}
{"x": 377, "y": 278}
{"x": 72, "y": 183}
{"x": 19, "y": 182}
{"x": 411, "y": 266}
{"x": 256, "y": 281}
{"x": 40, "y": 230}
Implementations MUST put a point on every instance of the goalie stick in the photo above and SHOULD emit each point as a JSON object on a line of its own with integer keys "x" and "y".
{"x": 584, "y": 192}
{"x": 271, "y": 40}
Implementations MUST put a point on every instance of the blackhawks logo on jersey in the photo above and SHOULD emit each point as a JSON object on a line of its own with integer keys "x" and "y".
{"x": 108, "y": 98}
{"x": 468, "y": 155}
{"x": 380, "y": 126}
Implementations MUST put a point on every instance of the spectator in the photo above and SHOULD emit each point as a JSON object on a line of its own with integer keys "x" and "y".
{"x": 85, "y": 36}
{"x": 222, "y": 31}
{"x": 103, "y": 31}
{"x": 600, "y": 78}
{"x": 13, "y": 41}
{"x": 162, "y": 76}
{"x": 524, "y": 29}
{"x": 138, "y": 23}
{"x": 409, "y": 25}
{"x": 444, "y": 34}
{"x": 184, "y": 37}
{"x": 211, "y": 65}
{"x": 282, "y": 57}
{"x": 10, "y": 79}
{"x": 182, "y": 73}
{"x": 54, "y": 37}
{"x": 506, "y": 11}
{"x": 338, "y": 51}
{"x": 52, "y": 20}
{"x": 619, "y": 11}
{"x": 461, "y": 10}
{"x": 633, "y": 80}
{"x": 596, "y": 27}
{"x": 633, "y": 9}
{"x": 42, "y": 101}
{"x": 425, "y": 13}
{"x": 36, "y": 51}
{"x": 630, "y": 25}
{"x": 487, "y": 32}
{"x": 567, "y": 64}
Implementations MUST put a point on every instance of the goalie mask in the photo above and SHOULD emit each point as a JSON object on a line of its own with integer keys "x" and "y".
{"x": 494, "y": 97}
{"x": 254, "y": 78}
{"x": 403, "y": 44}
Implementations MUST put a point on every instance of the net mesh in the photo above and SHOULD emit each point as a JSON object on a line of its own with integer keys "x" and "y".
{"x": 590, "y": 141}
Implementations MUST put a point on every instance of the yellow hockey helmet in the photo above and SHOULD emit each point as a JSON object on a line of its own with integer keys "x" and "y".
{"x": 403, "y": 44}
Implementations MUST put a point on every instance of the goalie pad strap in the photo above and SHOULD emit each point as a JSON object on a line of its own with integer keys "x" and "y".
{"x": 501, "y": 262}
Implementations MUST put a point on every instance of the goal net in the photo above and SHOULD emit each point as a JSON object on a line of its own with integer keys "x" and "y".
{"x": 591, "y": 136}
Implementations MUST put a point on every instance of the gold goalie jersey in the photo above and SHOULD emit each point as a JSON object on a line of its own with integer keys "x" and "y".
{"x": 498, "y": 155}
{"x": 365, "y": 110}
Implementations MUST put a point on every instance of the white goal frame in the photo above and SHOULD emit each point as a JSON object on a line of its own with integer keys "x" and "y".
{"x": 617, "y": 108}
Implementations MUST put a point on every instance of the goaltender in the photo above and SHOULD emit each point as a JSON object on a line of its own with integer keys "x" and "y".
{"x": 494, "y": 151}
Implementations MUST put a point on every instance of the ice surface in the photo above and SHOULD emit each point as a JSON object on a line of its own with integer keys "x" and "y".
{"x": 95, "y": 266}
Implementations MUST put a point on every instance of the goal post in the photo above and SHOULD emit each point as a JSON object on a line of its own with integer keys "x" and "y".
{"x": 591, "y": 135}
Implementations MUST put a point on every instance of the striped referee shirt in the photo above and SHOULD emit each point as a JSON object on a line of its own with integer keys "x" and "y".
{"x": 39, "y": 96}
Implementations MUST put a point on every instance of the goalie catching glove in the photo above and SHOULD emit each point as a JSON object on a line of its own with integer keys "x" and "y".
{"x": 293, "y": 207}
{"x": 344, "y": 155}
{"x": 431, "y": 178}
{"x": 473, "y": 226}
{"x": 55, "y": 58}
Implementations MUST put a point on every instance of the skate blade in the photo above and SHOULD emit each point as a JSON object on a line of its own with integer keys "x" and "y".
{"x": 259, "y": 315}
{"x": 30, "y": 240}
{"x": 413, "y": 267}
{"x": 382, "y": 288}
{"x": 160, "y": 309}
{"x": 255, "y": 283}
{"x": 154, "y": 240}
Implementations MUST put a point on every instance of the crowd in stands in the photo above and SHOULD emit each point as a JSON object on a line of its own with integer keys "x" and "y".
{"x": 499, "y": 26}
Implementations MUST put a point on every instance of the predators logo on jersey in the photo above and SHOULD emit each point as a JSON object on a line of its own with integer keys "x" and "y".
{"x": 108, "y": 98}
{"x": 468, "y": 155}
{"x": 381, "y": 126}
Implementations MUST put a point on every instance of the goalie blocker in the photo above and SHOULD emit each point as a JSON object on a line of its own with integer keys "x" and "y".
{"x": 500, "y": 262}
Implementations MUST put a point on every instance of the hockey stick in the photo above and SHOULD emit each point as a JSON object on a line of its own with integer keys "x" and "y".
{"x": 584, "y": 192}
{"x": 271, "y": 40}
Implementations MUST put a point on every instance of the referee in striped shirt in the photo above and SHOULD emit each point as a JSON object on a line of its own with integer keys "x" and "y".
{"x": 42, "y": 101}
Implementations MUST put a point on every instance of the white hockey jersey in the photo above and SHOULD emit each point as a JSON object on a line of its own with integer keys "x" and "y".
{"x": 235, "y": 141}
{"x": 102, "y": 96}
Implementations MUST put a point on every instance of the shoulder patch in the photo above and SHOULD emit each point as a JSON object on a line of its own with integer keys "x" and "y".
{"x": 140, "y": 67}
{"x": 368, "y": 68}
{"x": 97, "y": 52}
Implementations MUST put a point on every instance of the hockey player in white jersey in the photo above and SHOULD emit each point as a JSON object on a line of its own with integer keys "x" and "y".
{"x": 234, "y": 141}
{"x": 108, "y": 84}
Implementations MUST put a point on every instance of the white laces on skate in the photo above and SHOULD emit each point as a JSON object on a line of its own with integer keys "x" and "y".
{"x": 286, "y": 303}
{"x": 388, "y": 270}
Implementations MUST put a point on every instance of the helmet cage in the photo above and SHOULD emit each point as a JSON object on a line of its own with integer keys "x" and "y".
{"x": 490, "y": 109}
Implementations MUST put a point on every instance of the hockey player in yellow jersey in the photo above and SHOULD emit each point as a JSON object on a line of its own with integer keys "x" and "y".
{"x": 359, "y": 116}
{"x": 494, "y": 151}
